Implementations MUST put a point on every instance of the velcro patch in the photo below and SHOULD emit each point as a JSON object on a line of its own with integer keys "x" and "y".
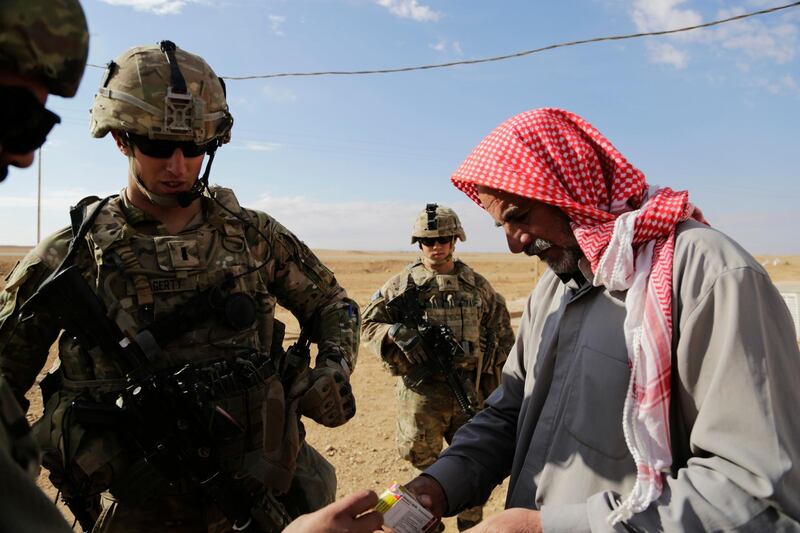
{"x": 447, "y": 282}
{"x": 173, "y": 285}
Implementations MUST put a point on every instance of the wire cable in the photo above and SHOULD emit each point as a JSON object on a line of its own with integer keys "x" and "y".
{"x": 507, "y": 56}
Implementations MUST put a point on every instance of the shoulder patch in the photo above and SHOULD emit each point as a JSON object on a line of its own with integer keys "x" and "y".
{"x": 376, "y": 295}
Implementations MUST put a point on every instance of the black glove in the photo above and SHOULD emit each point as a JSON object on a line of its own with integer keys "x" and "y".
{"x": 329, "y": 400}
{"x": 409, "y": 342}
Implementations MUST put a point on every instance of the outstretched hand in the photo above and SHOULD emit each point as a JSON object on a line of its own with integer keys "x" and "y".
{"x": 342, "y": 516}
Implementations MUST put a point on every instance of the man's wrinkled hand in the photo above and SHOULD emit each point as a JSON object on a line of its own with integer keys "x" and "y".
{"x": 409, "y": 342}
{"x": 329, "y": 400}
{"x": 516, "y": 520}
{"x": 342, "y": 516}
{"x": 429, "y": 493}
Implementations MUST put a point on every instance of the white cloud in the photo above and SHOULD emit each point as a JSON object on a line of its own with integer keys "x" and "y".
{"x": 259, "y": 146}
{"x": 668, "y": 54}
{"x": 442, "y": 46}
{"x": 655, "y": 15}
{"x": 757, "y": 40}
{"x": 276, "y": 24}
{"x": 410, "y": 9}
{"x": 279, "y": 94}
{"x": 362, "y": 225}
{"x": 57, "y": 199}
{"x": 159, "y": 7}
{"x": 774, "y": 40}
{"x": 784, "y": 85}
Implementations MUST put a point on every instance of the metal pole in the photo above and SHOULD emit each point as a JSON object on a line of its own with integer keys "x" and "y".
{"x": 39, "y": 201}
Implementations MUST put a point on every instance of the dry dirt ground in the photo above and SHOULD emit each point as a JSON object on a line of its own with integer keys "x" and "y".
{"x": 363, "y": 451}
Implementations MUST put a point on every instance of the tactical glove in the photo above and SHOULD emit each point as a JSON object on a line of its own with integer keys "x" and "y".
{"x": 409, "y": 342}
{"x": 329, "y": 400}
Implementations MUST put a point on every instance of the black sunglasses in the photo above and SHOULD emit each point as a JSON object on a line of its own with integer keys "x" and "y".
{"x": 164, "y": 149}
{"x": 430, "y": 241}
{"x": 25, "y": 121}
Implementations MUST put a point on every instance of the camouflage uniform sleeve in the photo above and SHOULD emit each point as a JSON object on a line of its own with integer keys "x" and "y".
{"x": 308, "y": 289}
{"x": 378, "y": 319}
{"x": 497, "y": 336}
{"x": 25, "y": 341}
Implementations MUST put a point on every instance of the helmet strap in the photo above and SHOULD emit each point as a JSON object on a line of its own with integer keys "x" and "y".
{"x": 431, "y": 262}
{"x": 156, "y": 199}
{"x": 185, "y": 199}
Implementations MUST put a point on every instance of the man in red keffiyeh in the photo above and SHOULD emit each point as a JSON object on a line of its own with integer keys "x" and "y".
{"x": 651, "y": 386}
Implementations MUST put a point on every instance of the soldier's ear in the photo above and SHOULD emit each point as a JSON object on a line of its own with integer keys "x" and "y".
{"x": 122, "y": 143}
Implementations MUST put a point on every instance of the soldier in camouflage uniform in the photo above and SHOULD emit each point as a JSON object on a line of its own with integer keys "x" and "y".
{"x": 146, "y": 252}
{"x": 450, "y": 293}
{"x": 43, "y": 48}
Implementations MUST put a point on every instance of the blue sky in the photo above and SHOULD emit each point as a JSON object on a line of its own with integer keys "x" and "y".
{"x": 346, "y": 162}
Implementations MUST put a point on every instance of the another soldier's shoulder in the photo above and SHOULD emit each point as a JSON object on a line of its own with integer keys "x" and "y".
{"x": 41, "y": 260}
{"x": 273, "y": 231}
{"x": 397, "y": 284}
{"x": 475, "y": 278}
{"x": 52, "y": 249}
{"x": 261, "y": 219}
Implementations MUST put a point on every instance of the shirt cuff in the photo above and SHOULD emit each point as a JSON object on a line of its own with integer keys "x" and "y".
{"x": 570, "y": 518}
{"x": 451, "y": 474}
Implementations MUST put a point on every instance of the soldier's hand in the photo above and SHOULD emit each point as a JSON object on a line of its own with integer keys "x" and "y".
{"x": 409, "y": 342}
{"x": 343, "y": 515}
{"x": 329, "y": 400}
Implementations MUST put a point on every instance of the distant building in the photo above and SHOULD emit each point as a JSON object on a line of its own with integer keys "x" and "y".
{"x": 790, "y": 290}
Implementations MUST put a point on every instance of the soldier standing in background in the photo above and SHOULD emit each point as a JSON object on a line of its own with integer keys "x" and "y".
{"x": 43, "y": 49}
{"x": 450, "y": 293}
{"x": 148, "y": 253}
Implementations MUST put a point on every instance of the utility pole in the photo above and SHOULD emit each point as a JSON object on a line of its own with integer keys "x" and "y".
{"x": 39, "y": 200}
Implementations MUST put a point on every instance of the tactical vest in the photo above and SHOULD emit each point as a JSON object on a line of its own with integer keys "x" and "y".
{"x": 142, "y": 278}
{"x": 453, "y": 300}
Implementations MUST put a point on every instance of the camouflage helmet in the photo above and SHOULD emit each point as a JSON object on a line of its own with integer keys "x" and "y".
{"x": 45, "y": 40}
{"x": 162, "y": 92}
{"x": 437, "y": 221}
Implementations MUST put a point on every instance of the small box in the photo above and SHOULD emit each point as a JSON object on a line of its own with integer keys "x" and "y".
{"x": 403, "y": 513}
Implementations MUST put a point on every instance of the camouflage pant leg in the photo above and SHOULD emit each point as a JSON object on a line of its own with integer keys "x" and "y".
{"x": 473, "y": 514}
{"x": 314, "y": 483}
{"x": 425, "y": 418}
{"x": 423, "y": 415}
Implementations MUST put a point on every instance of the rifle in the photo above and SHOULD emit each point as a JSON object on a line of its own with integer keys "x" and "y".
{"x": 170, "y": 415}
{"x": 441, "y": 348}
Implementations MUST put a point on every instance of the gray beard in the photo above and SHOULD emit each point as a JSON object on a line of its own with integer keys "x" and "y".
{"x": 565, "y": 264}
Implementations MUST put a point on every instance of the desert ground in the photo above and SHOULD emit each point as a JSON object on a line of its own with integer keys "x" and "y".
{"x": 363, "y": 451}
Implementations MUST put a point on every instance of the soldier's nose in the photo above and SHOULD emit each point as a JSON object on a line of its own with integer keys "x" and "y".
{"x": 177, "y": 162}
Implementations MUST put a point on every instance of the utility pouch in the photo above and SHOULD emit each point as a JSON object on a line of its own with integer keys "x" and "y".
{"x": 81, "y": 459}
{"x": 268, "y": 450}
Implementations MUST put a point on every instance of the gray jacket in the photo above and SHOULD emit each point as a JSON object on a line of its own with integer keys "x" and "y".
{"x": 555, "y": 424}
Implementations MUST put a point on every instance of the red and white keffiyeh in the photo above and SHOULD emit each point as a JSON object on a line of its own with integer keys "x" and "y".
{"x": 626, "y": 230}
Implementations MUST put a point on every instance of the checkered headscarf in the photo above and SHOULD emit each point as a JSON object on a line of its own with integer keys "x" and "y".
{"x": 626, "y": 229}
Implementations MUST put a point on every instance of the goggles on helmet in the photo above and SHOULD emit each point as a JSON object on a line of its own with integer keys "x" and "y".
{"x": 25, "y": 121}
{"x": 164, "y": 149}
